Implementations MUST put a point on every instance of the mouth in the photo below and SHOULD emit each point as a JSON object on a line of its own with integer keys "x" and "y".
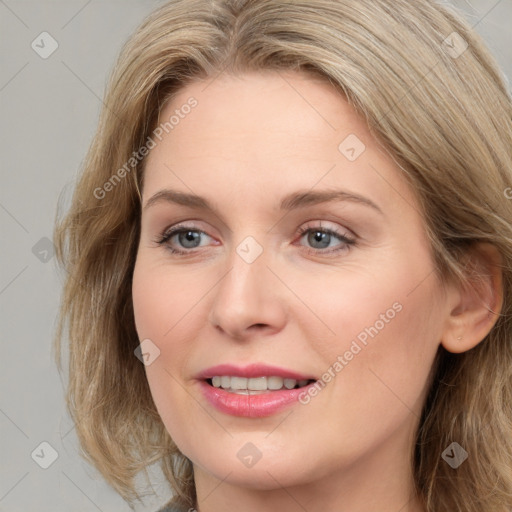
{"x": 256, "y": 385}
{"x": 253, "y": 391}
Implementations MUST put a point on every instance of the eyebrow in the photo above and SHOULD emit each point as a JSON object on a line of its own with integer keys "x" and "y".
{"x": 290, "y": 202}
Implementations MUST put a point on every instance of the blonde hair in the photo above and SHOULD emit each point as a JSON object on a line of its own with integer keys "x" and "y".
{"x": 446, "y": 119}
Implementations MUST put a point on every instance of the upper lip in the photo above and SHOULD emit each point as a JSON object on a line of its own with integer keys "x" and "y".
{"x": 252, "y": 370}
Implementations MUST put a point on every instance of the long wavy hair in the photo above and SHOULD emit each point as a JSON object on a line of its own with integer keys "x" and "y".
{"x": 443, "y": 113}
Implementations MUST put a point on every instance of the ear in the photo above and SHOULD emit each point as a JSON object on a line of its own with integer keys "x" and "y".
{"x": 476, "y": 305}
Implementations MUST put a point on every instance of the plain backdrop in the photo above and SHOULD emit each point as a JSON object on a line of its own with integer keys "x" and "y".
{"x": 49, "y": 110}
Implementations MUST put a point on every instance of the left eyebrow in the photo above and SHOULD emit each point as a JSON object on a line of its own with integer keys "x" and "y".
{"x": 300, "y": 199}
{"x": 308, "y": 198}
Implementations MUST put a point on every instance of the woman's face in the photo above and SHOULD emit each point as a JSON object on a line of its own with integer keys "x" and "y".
{"x": 309, "y": 264}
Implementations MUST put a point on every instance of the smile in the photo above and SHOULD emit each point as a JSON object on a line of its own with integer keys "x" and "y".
{"x": 253, "y": 391}
{"x": 256, "y": 385}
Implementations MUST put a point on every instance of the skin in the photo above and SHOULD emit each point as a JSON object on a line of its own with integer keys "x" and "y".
{"x": 251, "y": 140}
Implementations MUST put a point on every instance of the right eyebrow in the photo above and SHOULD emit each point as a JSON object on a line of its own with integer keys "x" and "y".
{"x": 182, "y": 198}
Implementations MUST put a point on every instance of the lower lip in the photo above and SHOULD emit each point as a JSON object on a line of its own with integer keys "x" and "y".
{"x": 251, "y": 406}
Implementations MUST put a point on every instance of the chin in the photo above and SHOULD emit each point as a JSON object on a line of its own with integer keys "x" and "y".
{"x": 269, "y": 472}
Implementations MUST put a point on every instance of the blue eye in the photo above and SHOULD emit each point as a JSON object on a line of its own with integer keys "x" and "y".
{"x": 189, "y": 238}
{"x": 319, "y": 238}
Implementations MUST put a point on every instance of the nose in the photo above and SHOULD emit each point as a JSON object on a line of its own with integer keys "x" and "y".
{"x": 249, "y": 300}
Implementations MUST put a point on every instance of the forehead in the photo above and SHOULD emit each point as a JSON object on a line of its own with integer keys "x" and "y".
{"x": 261, "y": 133}
{"x": 268, "y": 108}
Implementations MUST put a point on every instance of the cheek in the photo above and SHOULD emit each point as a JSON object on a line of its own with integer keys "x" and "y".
{"x": 382, "y": 339}
{"x": 167, "y": 305}
{"x": 162, "y": 297}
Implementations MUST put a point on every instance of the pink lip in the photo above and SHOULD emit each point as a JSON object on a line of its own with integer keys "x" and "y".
{"x": 251, "y": 406}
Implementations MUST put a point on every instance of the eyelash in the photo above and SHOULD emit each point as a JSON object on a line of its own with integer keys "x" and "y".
{"x": 348, "y": 241}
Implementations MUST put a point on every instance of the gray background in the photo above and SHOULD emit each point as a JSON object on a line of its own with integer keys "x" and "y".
{"x": 49, "y": 109}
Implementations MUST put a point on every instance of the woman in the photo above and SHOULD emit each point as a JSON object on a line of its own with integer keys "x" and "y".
{"x": 289, "y": 260}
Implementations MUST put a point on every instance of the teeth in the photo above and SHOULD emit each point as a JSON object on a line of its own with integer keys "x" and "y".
{"x": 274, "y": 382}
{"x": 289, "y": 383}
{"x": 238, "y": 383}
{"x": 257, "y": 383}
{"x": 241, "y": 384}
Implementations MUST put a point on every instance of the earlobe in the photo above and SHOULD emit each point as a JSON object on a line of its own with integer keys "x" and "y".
{"x": 478, "y": 303}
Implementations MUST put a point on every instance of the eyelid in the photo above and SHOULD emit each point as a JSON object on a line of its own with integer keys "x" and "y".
{"x": 180, "y": 227}
{"x": 320, "y": 225}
